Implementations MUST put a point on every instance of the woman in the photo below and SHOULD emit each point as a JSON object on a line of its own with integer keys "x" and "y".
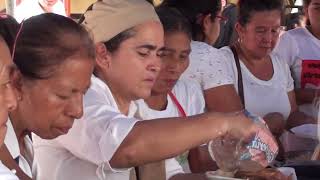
{"x": 300, "y": 49}
{"x": 205, "y": 18}
{"x": 108, "y": 137}
{"x": 51, "y": 77}
{"x": 8, "y": 100}
{"x": 171, "y": 97}
{"x": 265, "y": 78}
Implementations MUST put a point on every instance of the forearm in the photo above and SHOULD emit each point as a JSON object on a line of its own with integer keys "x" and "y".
{"x": 159, "y": 139}
{"x": 305, "y": 96}
{"x": 298, "y": 118}
{"x": 189, "y": 177}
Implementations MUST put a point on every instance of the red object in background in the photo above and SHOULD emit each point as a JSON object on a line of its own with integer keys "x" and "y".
{"x": 18, "y": 2}
{"x": 310, "y": 75}
{"x": 67, "y": 7}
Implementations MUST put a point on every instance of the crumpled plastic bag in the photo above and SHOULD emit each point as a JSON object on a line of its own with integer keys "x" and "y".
{"x": 251, "y": 155}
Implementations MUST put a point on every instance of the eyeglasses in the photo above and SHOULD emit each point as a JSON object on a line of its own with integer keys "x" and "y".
{"x": 221, "y": 18}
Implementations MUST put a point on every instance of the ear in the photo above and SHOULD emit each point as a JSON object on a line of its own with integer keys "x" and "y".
{"x": 207, "y": 23}
{"x": 16, "y": 81}
{"x": 240, "y": 30}
{"x": 103, "y": 56}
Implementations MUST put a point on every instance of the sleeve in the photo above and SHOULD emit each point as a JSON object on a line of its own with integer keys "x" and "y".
{"x": 290, "y": 82}
{"x": 214, "y": 70}
{"x": 6, "y": 174}
{"x": 96, "y": 136}
{"x": 287, "y": 49}
{"x": 172, "y": 168}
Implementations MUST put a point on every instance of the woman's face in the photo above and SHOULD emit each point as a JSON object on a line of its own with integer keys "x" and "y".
{"x": 8, "y": 100}
{"x": 48, "y": 107}
{"x": 175, "y": 61}
{"x": 135, "y": 65}
{"x": 313, "y": 13}
{"x": 261, "y": 33}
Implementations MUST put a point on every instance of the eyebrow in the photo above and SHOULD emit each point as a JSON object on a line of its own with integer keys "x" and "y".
{"x": 316, "y": 4}
{"x": 148, "y": 46}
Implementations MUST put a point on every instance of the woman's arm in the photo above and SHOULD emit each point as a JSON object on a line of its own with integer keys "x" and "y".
{"x": 297, "y": 118}
{"x": 305, "y": 96}
{"x": 159, "y": 139}
{"x": 223, "y": 99}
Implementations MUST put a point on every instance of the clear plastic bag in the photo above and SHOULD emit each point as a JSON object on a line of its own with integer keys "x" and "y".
{"x": 251, "y": 155}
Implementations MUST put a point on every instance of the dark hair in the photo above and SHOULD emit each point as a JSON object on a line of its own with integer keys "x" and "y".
{"x": 306, "y": 3}
{"x": 8, "y": 29}
{"x": 248, "y": 7}
{"x": 173, "y": 21}
{"x": 47, "y": 41}
{"x": 113, "y": 44}
{"x": 193, "y": 10}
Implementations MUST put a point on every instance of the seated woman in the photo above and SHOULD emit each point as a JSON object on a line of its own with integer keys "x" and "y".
{"x": 300, "y": 49}
{"x": 171, "y": 97}
{"x": 8, "y": 100}
{"x": 54, "y": 66}
{"x": 108, "y": 137}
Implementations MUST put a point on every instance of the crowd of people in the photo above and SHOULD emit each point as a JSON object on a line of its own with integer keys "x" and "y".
{"x": 136, "y": 92}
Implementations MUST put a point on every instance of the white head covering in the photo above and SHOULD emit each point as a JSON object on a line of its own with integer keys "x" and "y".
{"x": 111, "y": 17}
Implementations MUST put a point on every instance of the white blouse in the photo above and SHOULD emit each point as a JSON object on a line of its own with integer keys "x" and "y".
{"x": 26, "y": 163}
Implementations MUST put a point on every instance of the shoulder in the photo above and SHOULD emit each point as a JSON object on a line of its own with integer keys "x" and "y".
{"x": 201, "y": 48}
{"x": 185, "y": 87}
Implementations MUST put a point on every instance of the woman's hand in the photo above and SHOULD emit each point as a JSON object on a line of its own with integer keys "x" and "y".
{"x": 275, "y": 122}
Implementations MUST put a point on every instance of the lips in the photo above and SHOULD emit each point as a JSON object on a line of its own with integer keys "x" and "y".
{"x": 63, "y": 130}
{"x": 171, "y": 82}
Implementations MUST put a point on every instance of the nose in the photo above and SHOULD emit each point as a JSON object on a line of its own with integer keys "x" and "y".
{"x": 11, "y": 99}
{"x": 268, "y": 36}
{"x": 75, "y": 106}
{"x": 155, "y": 64}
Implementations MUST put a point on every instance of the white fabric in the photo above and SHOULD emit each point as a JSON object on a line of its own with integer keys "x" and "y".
{"x": 91, "y": 142}
{"x": 296, "y": 47}
{"x": 206, "y": 67}
{"x": 6, "y": 174}
{"x": 29, "y": 8}
{"x": 262, "y": 97}
{"x": 190, "y": 97}
{"x": 26, "y": 163}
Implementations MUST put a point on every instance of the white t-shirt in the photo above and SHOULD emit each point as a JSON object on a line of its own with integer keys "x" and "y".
{"x": 6, "y": 174}
{"x": 206, "y": 67}
{"x": 29, "y": 8}
{"x": 262, "y": 97}
{"x": 84, "y": 153}
{"x": 190, "y": 97}
{"x": 26, "y": 163}
{"x": 301, "y": 50}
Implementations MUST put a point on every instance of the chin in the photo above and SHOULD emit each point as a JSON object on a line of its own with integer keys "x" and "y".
{"x": 144, "y": 94}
